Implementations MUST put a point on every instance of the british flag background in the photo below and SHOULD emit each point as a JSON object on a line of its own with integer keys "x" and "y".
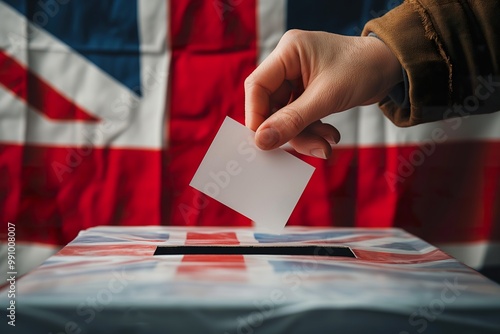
{"x": 108, "y": 279}
{"x": 107, "y": 108}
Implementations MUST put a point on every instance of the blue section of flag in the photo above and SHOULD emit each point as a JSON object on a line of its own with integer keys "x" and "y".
{"x": 300, "y": 237}
{"x": 304, "y": 268}
{"x": 19, "y": 5}
{"x": 96, "y": 238}
{"x": 342, "y": 17}
{"x": 104, "y": 32}
{"x": 415, "y": 245}
{"x": 117, "y": 237}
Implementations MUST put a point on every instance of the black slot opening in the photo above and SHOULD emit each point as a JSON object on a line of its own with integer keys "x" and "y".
{"x": 313, "y": 250}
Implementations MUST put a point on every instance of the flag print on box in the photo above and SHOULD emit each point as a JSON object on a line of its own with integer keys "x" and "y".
{"x": 108, "y": 279}
{"x": 108, "y": 107}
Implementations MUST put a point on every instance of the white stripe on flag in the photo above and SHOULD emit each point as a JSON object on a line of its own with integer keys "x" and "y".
{"x": 66, "y": 70}
{"x": 271, "y": 25}
{"x": 255, "y": 267}
{"x": 155, "y": 64}
{"x": 367, "y": 126}
{"x": 176, "y": 237}
{"x": 131, "y": 121}
{"x": 12, "y": 118}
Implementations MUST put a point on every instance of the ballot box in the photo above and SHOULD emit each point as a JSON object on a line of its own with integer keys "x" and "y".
{"x": 240, "y": 280}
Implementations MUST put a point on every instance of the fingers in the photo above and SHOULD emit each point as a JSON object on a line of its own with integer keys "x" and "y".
{"x": 310, "y": 144}
{"x": 259, "y": 87}
{"x": 256, "y": 103}
{"x": 316, "y": 140}
{"x": 281, "y": 65}
{"x": 292, "y": 119}
{"x": 325, "y": 130}
{"x": 278, "y": 107}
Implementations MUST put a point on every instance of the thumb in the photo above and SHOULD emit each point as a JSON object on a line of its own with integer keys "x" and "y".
{"x": 291, "y": 120}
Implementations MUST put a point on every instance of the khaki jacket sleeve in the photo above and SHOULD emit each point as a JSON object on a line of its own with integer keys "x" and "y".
{"x": 451, "y": 53}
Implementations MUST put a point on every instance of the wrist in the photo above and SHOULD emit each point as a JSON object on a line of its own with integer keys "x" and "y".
{"x": 391, "y": 69}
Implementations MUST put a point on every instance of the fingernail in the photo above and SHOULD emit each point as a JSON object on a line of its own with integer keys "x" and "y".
{"x": 318, "y": 153}
{"x": 268, "y": 138}
{"x": 331, "y": 140}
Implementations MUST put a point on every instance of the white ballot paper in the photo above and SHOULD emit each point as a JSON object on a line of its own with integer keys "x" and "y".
{"x": 261, "y": 185}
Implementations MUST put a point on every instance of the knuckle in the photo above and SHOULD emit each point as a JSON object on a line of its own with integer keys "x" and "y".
{"x": 294, "y": 119}
{"x": 293, "y": 34}
{"x": 249, "y": 81}
{"x": 293, "y": 37}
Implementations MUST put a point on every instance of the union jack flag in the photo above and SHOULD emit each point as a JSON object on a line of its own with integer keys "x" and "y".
{"x": 108, "y": 107}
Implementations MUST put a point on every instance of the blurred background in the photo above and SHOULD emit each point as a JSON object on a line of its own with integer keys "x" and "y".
{"x": 108, "y": 106}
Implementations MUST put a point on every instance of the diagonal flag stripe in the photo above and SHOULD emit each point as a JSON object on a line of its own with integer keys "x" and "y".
{"x": 37, "y": 93}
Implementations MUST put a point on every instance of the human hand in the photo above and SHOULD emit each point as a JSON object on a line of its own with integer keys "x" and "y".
{"x": 311, "y": 75}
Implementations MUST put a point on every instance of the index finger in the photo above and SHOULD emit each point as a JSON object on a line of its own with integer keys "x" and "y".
{"x": 282, "y": 64}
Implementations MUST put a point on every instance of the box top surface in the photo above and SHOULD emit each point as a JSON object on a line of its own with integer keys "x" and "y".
{"x": 393, "y": 273}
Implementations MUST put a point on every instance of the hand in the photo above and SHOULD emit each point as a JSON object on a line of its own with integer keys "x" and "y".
{"x": 311, "y": 75}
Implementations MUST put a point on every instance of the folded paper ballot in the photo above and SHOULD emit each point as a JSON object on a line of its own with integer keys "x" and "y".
{"x": 262, "y": 185}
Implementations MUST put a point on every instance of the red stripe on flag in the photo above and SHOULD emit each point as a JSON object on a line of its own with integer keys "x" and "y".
{"x": 52, "y": 193}
{"x": 204, "y": 265}
{"x": 450, "y": 193}
{"x": 120, "y": 249}
{"x": 453, "y": 196}
{"x": 213, "y": 51}
{"x": 38, "y": 93}
{"x": 394, "y": 258}
{"x": 219, "y": 238}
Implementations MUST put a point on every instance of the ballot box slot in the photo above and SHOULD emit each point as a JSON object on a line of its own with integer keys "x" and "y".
{"x": 308, "y": 250}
